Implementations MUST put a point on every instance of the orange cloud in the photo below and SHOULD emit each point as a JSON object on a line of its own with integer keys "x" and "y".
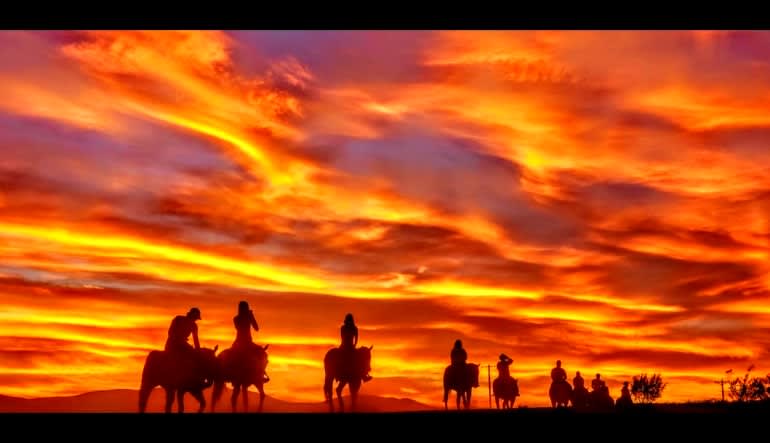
{"x": 596, "y": 197}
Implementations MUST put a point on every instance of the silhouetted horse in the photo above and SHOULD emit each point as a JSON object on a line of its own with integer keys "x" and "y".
{"x": 177, "y": 375}
{"x": 337, "y": 369}
{"x": 507, "y": 389}
{"x": 560, "y": 393}
{"x": 241, "y": 368}
{"x": 462, "y": 383}
{"x": 580, "y": 398}
{"x": 624, "y": 402}
{"x": 600, "y": 400}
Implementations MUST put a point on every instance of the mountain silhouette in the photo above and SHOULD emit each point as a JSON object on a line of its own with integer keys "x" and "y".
{"x": 125, "y": 400}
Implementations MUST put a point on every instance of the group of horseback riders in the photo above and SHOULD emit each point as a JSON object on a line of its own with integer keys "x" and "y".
{"x": 244, "y": 364}
{"x": 562, "y": 394}
{"x": 184, "y": 326}
{"x": 506, "y": 387}
{"x": 462, "y": 377}
{"x": 350, "y": 364}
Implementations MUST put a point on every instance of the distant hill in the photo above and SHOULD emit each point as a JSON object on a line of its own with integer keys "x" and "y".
{"x": 125, "y": 400}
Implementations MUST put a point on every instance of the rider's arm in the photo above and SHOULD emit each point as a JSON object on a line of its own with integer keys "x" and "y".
{"x": 355, "y": 337}
{"x": 253, "y": 321}
{"x": 195, "y": 336}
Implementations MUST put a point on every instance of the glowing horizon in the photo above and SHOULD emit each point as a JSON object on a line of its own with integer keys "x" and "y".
{"x": 596, "y": 197}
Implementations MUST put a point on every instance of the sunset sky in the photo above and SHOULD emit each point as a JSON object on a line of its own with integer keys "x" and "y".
{"x": 598, "y": 197}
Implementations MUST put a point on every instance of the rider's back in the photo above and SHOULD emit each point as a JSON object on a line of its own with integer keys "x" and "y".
{"x": 558, "y": 375}
{"x": 242, "y": 325}
{"x": 458, "y": 356}
{"x": 348, "y": 333}
{"x": 503, "y": 368}
{"x": 181, "y": 327}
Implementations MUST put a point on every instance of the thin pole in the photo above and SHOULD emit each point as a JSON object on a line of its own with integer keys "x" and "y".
{"x": 722, "y": 382}
{"x": 489, "y": 384}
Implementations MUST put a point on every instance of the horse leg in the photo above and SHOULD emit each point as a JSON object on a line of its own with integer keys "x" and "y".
{"x": 328, "y": 382}
{"x": 459, "y": 393}
{"x": 201, "y": 400}
{"x": 198, "y": 395}
{"x": 144, "y": 396}
{"x": 468, "y": 398}
{"x": 180, "y": 401}
{"x": 245, "y": 389}
{"x": 234, "y": 397}
{"x": 355, "y": 386}
{"x": 216, "y": 394}
{"x": 340, "y": 387}
{"x": 261, "y": 389}
{"x": 446, "y": 398}
{"x": 497, "y": 402}
{"x": 169, "y": 399}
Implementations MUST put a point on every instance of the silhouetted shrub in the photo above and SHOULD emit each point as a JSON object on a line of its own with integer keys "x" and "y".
{"x": 647, "y": 389}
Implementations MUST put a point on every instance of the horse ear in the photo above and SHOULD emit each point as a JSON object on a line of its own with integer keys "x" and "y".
{"x": 264, "y": 348}
{"x": 370, "y": 347}
{"x": 215, "y": 348}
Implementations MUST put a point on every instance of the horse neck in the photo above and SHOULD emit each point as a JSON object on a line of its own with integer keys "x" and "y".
{"x": 359, "y": 360}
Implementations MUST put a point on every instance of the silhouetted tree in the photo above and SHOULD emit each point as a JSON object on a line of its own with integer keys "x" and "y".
{"x": 747, "y": 388}
{"x": 647, "y": 389}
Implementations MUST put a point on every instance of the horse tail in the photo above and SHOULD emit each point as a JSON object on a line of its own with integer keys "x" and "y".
{"x": 149, "y": 378}
{"x": 331, "y": 362}
{"x": 446, "y": 385}
{"x": 330, "y": 373}
{"x": 216, "y": 393}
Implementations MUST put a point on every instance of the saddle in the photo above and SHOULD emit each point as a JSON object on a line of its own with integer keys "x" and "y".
{"x": 458, "y": 374}
{"x": 348, "y": 361}
{"x": 245, "y": 358}
{"x": 181, "y": 355}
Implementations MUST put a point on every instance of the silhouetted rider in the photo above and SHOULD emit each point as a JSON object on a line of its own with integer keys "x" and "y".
{"x": 182, "y": 326}
{"x": 625, "y": 394}
{"x": 558, "y": 374}
{"x": 458, "y": 356}
{"x": 578, "y": 381}
{"x": 243, "y": 323}
{"x": 349, "y": 333}
{"x": 597, "y": 383}
{"x": 503, "y": 366}
{"x": 349, "y": 341}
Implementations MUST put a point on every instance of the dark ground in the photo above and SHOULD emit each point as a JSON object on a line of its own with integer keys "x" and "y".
{"x": 694, "y": 422}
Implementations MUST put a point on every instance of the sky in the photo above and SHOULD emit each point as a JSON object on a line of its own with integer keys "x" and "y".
{"x": 602, "y": 198}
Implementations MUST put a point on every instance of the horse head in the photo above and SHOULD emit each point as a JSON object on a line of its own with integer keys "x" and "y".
{"x": 264, "y": 353}
{"x": 473, "y": 373}
{"x": 208, "y": 364}
{"x": 366, "y": 359}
